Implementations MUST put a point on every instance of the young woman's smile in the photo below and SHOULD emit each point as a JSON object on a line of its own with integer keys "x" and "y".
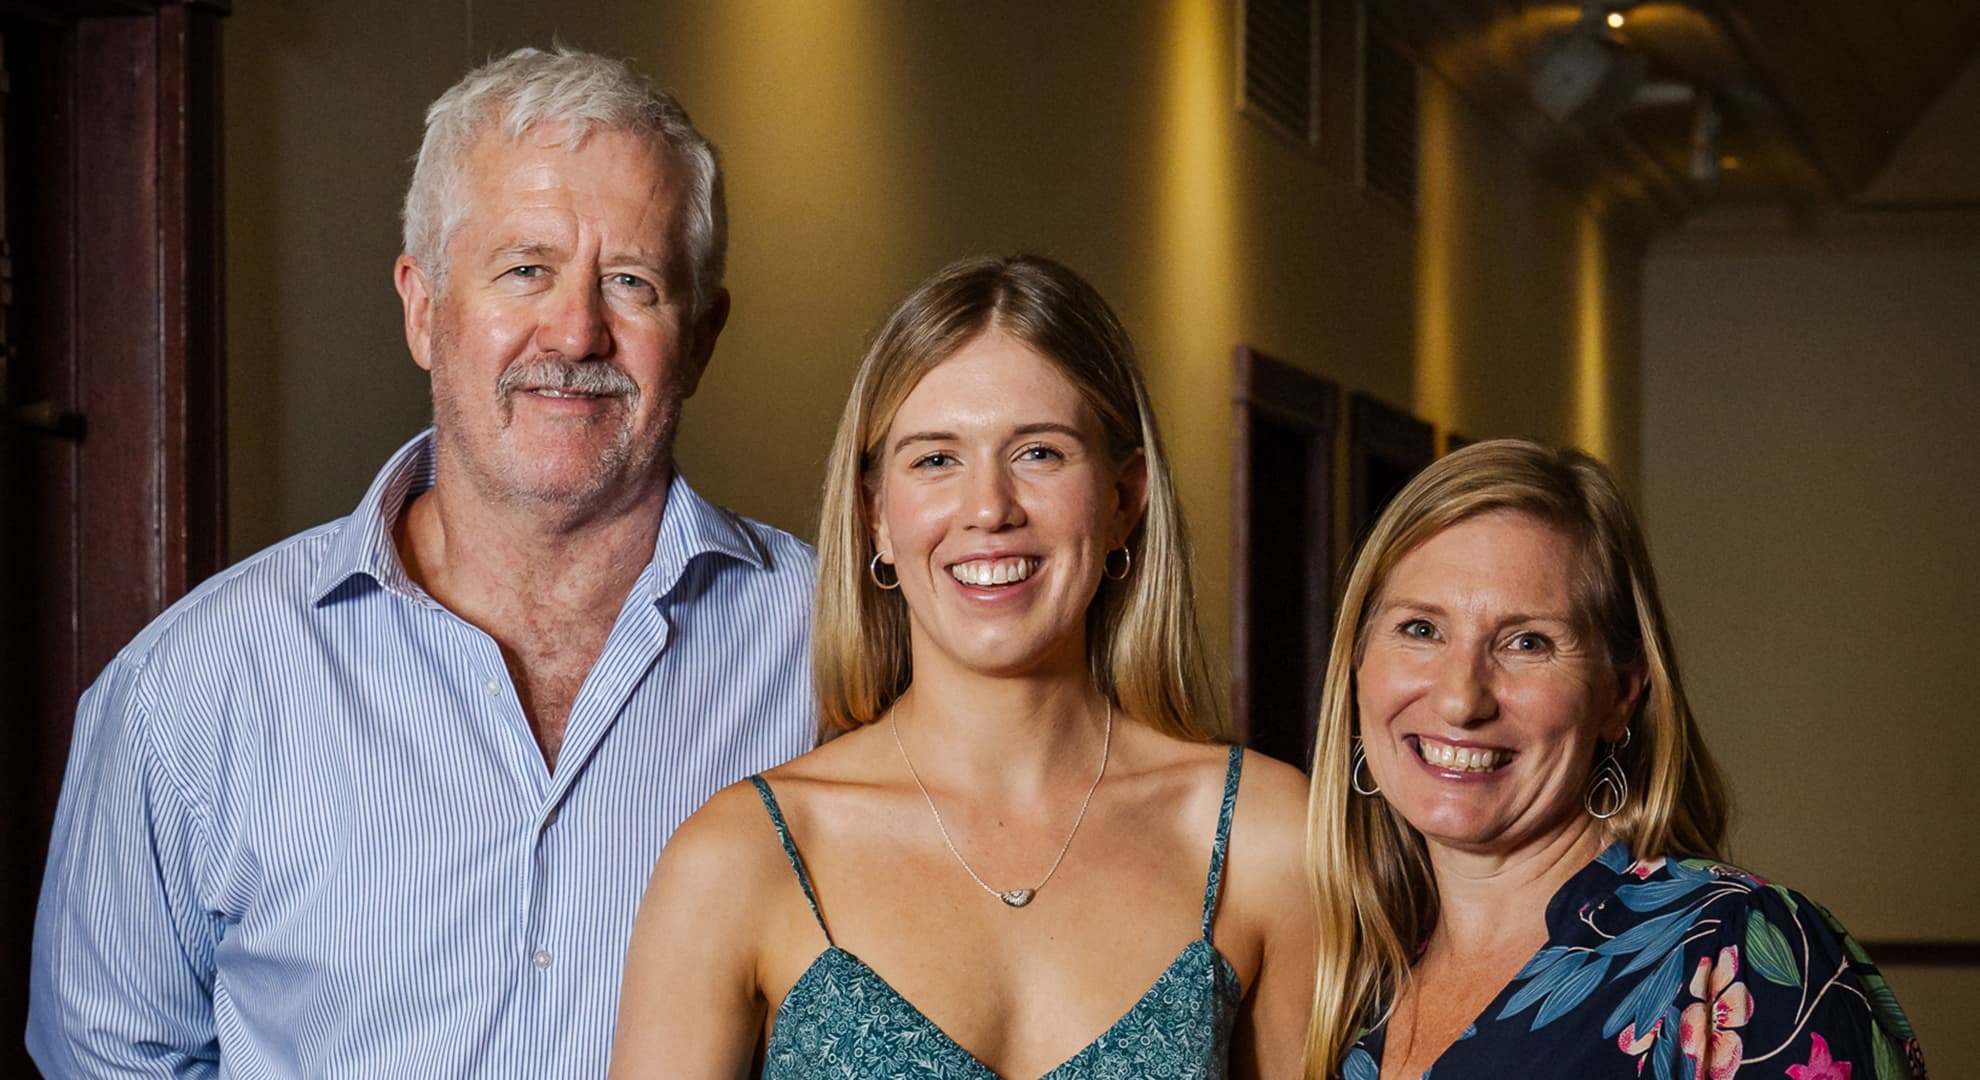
{"x": 996, "y": 502}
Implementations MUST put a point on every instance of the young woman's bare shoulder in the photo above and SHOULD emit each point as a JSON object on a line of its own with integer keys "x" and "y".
{"x": 728, "y": 844}
{"x": 1273, "y": 796}
{"x": 1266, "y": 865}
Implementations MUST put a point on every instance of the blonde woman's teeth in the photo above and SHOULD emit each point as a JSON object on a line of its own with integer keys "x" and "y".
{"x": 984, "y": 572}
{"x": 1461, "y": 758}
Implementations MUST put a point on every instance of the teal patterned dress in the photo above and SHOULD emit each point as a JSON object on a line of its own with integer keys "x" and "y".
{"x": 1681, "y": 969}
{"x": 842, "y": 1020}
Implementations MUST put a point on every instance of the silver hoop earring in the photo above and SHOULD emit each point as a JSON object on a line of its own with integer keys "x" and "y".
{"x": 1127, "y": 563}
{"x": 873, "y": 571}
{"x": 1608, "y": 789}
{"x": 1358, "y": 761}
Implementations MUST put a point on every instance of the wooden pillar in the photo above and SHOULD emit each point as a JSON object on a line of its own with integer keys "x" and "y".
{"x": 112, "y": 409}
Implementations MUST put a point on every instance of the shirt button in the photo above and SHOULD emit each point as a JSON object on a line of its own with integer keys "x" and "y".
{"x": 494, "y": 686}
{"x": 540, "y": 958}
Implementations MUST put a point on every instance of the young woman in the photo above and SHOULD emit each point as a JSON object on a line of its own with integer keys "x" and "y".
{"x": 1031, "y": 854}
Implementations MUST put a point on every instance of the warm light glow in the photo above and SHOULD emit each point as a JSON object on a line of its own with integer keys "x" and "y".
{"x": 1198, "y": 274}
{"x": 1591, "y": 364}
{"x": 1616, "y": 20}
{"x": 1729, "y": 162}
{"x": 1193, "y": 270}
{"x": 1438, "y": 189}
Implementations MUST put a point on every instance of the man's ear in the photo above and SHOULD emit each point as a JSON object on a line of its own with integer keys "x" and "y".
{"x": 1131, "y": 495}
{"x": 702, "y": 333}
{"x": 416, "y": 297}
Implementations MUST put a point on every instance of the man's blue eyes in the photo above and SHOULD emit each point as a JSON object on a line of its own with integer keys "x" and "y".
{"x": 624, "y": 281}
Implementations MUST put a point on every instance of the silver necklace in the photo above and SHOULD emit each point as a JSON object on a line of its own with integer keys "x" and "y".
{"x": 1016, "y": 898}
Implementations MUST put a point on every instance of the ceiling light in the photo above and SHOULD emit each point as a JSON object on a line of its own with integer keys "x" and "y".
{"x": 1615, "y": 20}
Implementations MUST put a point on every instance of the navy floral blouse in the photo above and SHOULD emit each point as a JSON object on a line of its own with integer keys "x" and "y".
{"x": 1681, "y": 969}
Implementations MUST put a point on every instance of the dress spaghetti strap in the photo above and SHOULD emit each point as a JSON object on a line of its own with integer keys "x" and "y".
{"x": 791, "y": 852}
{"x": 1223, "y": 842}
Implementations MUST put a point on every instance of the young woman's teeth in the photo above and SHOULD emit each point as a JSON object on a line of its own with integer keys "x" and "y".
{"x": 1460, "y": 758}
{"x": 985, "y": 572}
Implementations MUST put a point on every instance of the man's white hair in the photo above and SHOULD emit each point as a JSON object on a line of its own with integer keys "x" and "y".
{"x": 580, "y": 92}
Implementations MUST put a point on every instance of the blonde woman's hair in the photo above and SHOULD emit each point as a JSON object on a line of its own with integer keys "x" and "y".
{"x": 1141, "y": 636}
{"x": 1370, "y": 869}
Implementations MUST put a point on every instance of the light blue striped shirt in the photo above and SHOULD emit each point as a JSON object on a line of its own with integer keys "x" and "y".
{"x": 306, "y": 829}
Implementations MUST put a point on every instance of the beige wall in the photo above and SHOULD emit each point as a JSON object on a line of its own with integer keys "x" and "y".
{"x": 867, "y": 143}
{"x": 1810, "y": 471}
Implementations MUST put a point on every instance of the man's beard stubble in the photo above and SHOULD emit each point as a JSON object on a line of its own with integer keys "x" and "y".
{"x": 498, "y": 470}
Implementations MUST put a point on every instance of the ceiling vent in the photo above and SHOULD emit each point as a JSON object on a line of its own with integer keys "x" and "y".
{"x": 1280, "y": 65}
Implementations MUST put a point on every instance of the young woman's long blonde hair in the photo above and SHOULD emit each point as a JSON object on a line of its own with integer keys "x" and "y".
{"x": 1370, "y": 870}
{"x": 1141, "y": 635}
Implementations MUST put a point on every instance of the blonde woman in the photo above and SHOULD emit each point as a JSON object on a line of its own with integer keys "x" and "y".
{"x": 1032, "y": 853}
{"x": 1516, "y": 828}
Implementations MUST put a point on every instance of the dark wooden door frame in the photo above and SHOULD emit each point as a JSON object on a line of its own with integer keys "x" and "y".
{"x": 112, "y": 407}
{"x": 1263, "y": 387}
{"x": 1381, "y": 436}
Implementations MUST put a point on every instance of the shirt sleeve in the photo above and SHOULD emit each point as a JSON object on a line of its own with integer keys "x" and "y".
{"x": 122, "y": 977}
{"x": 1785, "y": 987}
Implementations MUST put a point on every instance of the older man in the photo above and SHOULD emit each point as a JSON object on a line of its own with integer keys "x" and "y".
{"x": 380, "y": 800}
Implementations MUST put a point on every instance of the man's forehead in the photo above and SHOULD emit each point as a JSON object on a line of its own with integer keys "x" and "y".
{"x": 548, "y": 154}
{"x": 535, "y": 190}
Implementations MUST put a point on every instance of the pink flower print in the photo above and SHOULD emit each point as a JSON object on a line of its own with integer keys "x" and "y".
{"x": 1820, "y": 1065}
{"x": 1638, "y": 1048}
{"x": 1706, "y": 1030}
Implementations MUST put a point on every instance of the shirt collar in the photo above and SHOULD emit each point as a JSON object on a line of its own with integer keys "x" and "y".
{"x": 691, "y": 527}
{"x": 362, "y": 545}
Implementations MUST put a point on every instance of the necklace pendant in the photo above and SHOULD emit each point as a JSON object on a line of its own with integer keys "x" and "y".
{"x": 1017, "y": 897}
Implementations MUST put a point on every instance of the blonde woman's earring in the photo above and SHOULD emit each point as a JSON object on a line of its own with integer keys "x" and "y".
{"x": 873, "y": 571}
{"x": 1608, "y": 789}
{"x": 1127, "y": 563}
{"x": 1357, "y": 762}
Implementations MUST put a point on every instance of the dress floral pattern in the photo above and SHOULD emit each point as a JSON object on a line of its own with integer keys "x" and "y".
{"x": 1681, "y": 969}
{"x": 841, "y": 1019}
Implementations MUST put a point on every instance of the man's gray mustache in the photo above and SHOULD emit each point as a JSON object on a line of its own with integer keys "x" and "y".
{"x": 586, "y": 378}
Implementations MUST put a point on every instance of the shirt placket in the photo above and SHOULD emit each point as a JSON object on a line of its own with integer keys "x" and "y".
{"x": 559, "y": 893}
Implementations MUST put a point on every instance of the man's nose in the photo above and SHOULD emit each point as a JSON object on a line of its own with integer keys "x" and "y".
{"x": 993, "y": 499}
{"x": 574, "y": 325}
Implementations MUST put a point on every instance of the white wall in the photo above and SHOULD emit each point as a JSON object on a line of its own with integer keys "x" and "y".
{"x": 1811, "y": 474}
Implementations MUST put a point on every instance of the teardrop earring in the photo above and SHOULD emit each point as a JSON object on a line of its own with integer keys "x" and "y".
{"x": 1608, "y": 788}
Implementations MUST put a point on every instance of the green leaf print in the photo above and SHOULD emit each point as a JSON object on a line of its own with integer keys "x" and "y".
{"x": 1890, "y": 1015}
{"x": 1787, "y": 898}
{"x": 1768, "y": 952}
{"x": 1890, "y": 1059}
